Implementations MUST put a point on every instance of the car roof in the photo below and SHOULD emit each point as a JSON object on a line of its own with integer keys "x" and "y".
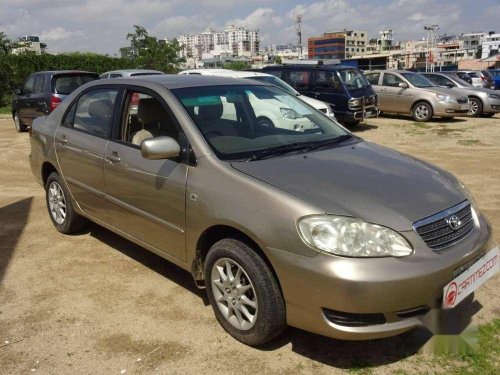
{"x": 60, "y": 72}
{"x": 389, "y": 71}
{"x": 309, "y": 66}
{"x": 132, "y": 71}
{"x": 176, "y": 81}
{"x": 225, "y": 72}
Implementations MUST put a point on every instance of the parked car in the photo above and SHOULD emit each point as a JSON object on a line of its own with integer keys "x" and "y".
{"x": 263, "y": 77}
{"x": 478, "y": 78}
{"x": 129, "y": 73}
{"x": 495, "y": 73}
{"x": 400, "y": 91}
{"x": 483, "y": 102}
{"x": 42, "y": 92}
{"x": 345, "y": 88}
{"x": 319, "y": 230}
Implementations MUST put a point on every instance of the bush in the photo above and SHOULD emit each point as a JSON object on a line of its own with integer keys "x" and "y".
{"x": 14, "y": 69}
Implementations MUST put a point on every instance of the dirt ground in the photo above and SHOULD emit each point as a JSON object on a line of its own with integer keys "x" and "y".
{"x": 95, "y": 303}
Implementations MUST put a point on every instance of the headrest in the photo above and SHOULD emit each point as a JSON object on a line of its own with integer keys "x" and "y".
{"x": 150, "y": 111}
{"x": 210, "y": 112}
{"x": 101, "y": 108}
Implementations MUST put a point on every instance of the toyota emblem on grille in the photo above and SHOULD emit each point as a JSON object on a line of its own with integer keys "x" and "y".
{"x": 454, "y": 222}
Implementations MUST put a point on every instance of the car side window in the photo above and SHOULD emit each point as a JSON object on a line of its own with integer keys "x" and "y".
{"x": 328, "y": 79}
{"x": 276, "y": 73}
{"x": 115, "y": 75}
{"x": 38, "y": 89}
{"x": 391, "y": 80}
{"x": 440, "y": 80}
{"x": 29, "y": 85}
{"x": 146, "y": 117}
{"x": 299, "y": 79}
{"x": 373, "y": 78}
{"x": 93, "y": 113}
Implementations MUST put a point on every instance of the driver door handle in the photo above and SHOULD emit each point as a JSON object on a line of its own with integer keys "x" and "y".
{"x": 62, "y": 139}
{"x": 113, "y": 158}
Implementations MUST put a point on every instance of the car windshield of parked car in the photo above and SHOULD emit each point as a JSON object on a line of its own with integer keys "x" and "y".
{"x": 417, "y": 80}
{"x": 249, "y": 121}
{"x": 276, "y": 82}
{"x": 460, "y": 81}
{"x": 353, "y": 79}
{"x": 66, "y": 84}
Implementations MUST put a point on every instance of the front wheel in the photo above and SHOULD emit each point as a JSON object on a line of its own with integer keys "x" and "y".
{"x": 20, "y": 127}
{"x": 244, "y": 293}
{"x": 60, "y": 206}
{"x": 422, "y": 112}
{"x": 476, "y": 107}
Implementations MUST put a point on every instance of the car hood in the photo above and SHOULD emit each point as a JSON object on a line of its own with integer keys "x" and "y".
{"x": 318, "y": 104}
{"x": 484, "y": 90}
{"x": 364, "y": 180}
{"x": 445, "y": 91}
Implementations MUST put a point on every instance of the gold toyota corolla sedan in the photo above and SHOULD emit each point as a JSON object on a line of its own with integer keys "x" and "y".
{"x": 312, "y": 227}
{"x": 400, "y": 91}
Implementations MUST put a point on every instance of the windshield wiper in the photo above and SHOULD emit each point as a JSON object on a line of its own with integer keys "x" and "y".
{"x": 330, "y": 142}
{"x": 280, "y": 150}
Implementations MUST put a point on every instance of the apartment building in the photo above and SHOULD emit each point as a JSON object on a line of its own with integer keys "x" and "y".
{"x": 338, "y": 44}
{"x": 237, "y": 41}
{"x": 490, "y": 45}
{"x": 31, "y": 44}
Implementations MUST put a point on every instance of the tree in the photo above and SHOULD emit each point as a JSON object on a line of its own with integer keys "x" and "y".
{"x": 277, "y": 60}
{"x": 148, "y": 52}
{"x": 6, "y": 44}
{"x": 237, "y": 65}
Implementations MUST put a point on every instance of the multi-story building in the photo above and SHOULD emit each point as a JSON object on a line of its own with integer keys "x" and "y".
{"x": 327, "y": 46}
{"x": 491, "y": 45}
{"x": 356, "y": 42}
{"x": 472, "y": 41}
{"x": 30, "y": 44}
{"x": 236, "y": 40}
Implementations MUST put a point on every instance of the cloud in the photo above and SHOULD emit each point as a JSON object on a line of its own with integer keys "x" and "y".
{"x": 59, "y": 33}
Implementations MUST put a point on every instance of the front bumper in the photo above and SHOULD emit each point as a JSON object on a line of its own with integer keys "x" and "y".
{"x": 400, "y": 291}
{"x": 451, "y": 109}
{"x": 492, "y": 106}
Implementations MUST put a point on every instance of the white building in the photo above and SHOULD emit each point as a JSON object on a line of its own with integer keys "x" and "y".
{"x": 491, "y": 45}
{"x": 30, "y": 43}
{"x": 356, "y": 42}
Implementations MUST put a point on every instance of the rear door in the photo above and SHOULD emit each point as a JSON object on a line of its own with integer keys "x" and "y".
{"x": 147, "y": 196}
{"x": 300, "y": 80}
{"x": 80, "y": 143}
{"x": 329, "y": 88}
{"x": 24, "y": 100}
{"x": 40, "y": 100}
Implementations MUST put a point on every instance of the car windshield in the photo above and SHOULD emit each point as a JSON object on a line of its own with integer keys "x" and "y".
{"x": 353, "y": 79}
{"x": 460, "y": 81}
{"x": 66, "y": 84}
{"x": 276, "y": 82}
{"x": 417, "y": 80}
{"x": 247, "y": 121}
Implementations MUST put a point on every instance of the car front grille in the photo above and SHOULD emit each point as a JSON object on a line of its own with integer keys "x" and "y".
{"x": 463, "y": 100}
{"x": 370, "y": 100}
{"x": 446, "y": 228}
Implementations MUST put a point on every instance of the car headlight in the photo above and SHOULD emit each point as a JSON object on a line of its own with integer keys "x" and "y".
{"x": 290, "y": 113}
{"x": 445, "y": 98}
{"x": 494, "y": 96}
{"x": 351, "y": 237}
{"x": 354, "y": 102}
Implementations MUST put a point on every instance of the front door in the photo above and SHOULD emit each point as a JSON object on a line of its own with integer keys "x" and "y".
{"x": 80, "y": 144}
{"x": 147, "y": 197}
{"x": 328, "y": 88}
{"x": 393, "y": 98}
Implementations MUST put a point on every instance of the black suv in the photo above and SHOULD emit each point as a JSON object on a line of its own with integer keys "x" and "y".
{"x": 43, "y": 92}
{"x": 345, "y": 88}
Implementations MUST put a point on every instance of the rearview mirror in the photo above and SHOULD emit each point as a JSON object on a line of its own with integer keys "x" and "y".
{"x": 403, "y": 85}
{"x": 158, "y": 148}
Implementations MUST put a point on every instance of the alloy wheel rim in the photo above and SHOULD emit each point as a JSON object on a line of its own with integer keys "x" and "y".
{"x": 473, "y": 108}
{"x": 57, "y": 203}
{"x": 421, "y": 112}
{"x": 234, "y": 294}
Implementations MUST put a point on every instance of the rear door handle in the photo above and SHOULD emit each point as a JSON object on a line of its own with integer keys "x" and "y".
{"x": 113, "y": 158}
{"x": 62, "y": 139}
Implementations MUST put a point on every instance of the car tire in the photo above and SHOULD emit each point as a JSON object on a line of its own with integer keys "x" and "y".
{"x": 264, "y": 121}
{"x": 20, "y": 127}
{"x": 254, "y": 290}
{"x": 422, "y": 112}
{"x": 476, "y": 107}
{"x": 60, "y": 206}
{"x": 488, "y": 115}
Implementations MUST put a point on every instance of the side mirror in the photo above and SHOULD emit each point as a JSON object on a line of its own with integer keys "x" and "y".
{"x": 403, "y": 85}
{"x": 17, "y": 91}
{"x": 159, "y": 148}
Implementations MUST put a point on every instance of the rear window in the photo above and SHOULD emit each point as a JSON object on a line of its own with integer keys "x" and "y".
{"x": 66, "y": 84}
{"x": 473, "y": 75}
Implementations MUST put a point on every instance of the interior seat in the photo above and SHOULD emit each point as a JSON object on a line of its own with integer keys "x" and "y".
{"x": 154, "y": 120}
{"x": 210, "y": 121}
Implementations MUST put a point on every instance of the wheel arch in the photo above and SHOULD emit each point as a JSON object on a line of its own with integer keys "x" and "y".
{"x": 414, "y": 104}
{"x": 46, "y": 170}
{"x": 219, "y": 232}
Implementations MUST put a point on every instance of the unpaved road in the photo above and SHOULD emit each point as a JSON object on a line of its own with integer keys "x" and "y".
{"x": 95, "y": 303}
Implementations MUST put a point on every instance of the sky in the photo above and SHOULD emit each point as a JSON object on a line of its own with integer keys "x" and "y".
{"x": 102, "y": 25}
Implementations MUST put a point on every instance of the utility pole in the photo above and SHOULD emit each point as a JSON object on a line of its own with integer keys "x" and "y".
{"x": 431, "y": 42}
{"x": 298, "y": 30}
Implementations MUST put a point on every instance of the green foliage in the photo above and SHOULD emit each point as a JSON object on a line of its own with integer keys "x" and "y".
{"x": 147, "y": 52}
{"x": 14, "y": 69}
{"x": 277, "y": 60}
{"x": 237, "y": 65}
{"x": 6, "y": 44}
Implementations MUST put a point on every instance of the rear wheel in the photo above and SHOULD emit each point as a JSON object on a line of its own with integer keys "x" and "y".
{"x": 60, "y": 206}
{"x": 422, "y": 112}
{"x": 476, "y": 107}
{"x": 244, "y": 293}
{"x": 20, "y": 127}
